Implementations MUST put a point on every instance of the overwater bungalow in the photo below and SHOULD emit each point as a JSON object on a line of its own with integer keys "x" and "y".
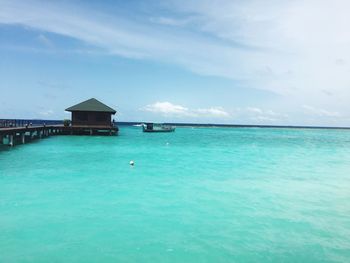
{"x": 88, "y": 118}
{"x": 92, "y": 117}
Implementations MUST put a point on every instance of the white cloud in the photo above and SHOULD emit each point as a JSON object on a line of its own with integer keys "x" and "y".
{"x": 321, "y": 112}
{"x": 258, "y": 115}
{"x": 46, "y": 113}
{"x": 213, "y": 111}
{"x": 45, "y": 40}
{"x": 299, "y": 48}
{"x": 246, "y": 114}
{"x": 169, "y": 109}
{"x": 170, "y": 21}
{"x": 254, "y": 110}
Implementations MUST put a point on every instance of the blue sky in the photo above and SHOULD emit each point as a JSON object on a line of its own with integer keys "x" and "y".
{"x": 218, "y": 61}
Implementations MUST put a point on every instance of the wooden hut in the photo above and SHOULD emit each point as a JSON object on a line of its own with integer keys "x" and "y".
{"x": 92, "y": 116}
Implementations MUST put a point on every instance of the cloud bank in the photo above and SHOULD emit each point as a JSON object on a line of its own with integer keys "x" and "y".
{"x": 168, "y": 109}
{"x": 283, "y": 46}
{"x": 298, "y": 49}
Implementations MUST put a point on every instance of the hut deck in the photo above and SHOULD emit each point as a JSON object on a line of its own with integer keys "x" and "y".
{"x": 90, "y": 130}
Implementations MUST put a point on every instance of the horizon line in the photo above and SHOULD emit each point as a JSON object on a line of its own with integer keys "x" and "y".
{"x": 187, "y": 124}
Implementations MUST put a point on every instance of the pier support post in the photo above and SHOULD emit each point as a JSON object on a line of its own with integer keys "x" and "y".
{"x": 40, "y": 134}
{"x": 11, "y": 140}
{"x": 90, "y": 131}
{"x": 1, "y": 139}
{"x": 23, "y": 137}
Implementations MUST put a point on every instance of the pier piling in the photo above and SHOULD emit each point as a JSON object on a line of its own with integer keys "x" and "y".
{"x": 11, "y": 140}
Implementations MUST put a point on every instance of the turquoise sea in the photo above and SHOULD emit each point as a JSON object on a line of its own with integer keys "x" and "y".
{"x": 196, "y": 195}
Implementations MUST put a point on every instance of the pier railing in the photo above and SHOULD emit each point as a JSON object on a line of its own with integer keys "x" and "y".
{"x": 7, "y": 123}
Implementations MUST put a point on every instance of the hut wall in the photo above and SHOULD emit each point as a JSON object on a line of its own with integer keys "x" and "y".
{"x": 91, "y": 118}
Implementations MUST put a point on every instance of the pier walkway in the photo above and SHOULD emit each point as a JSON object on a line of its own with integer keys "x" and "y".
{"x": 20, "y": 135}
{"x": 14, "y": 132}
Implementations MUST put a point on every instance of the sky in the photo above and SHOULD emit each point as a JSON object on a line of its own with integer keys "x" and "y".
{"x": 273, "y": 62}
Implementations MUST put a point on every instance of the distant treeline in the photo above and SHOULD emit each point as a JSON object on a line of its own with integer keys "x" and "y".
{"x": 211, "y": 125}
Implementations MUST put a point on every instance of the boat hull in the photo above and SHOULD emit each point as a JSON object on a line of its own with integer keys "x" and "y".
{"x": 168, "y": 130}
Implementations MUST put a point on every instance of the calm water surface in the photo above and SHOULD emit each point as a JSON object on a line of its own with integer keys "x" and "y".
{"x": 196, "y": 195}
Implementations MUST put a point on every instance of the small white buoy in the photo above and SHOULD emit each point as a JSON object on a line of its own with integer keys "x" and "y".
{"x": 132, "y": 163}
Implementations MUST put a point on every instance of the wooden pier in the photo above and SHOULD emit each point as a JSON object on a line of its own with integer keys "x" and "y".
{"x": 20, "y": 135}
{"x": 12, "y": 136}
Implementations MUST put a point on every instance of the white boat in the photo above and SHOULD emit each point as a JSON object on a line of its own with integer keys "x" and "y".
{"x": 157, "y": 127}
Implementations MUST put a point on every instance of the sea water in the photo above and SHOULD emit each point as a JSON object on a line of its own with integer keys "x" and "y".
{"x": 196, "y": 195}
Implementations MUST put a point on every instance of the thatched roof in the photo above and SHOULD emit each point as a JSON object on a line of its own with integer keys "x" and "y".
{"x": 91, "y": 105}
